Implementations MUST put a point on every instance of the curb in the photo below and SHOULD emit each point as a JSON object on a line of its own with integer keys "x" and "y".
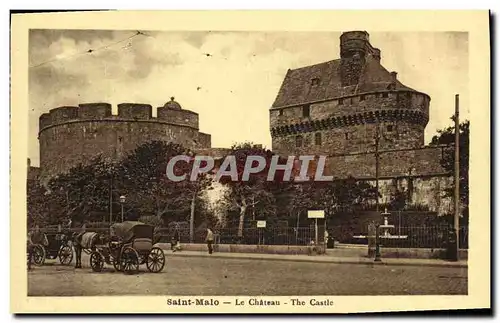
{"x": 324, "y": 260}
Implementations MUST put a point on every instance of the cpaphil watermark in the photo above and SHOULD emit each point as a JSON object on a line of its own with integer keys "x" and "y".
{"x": 296, "y": 168}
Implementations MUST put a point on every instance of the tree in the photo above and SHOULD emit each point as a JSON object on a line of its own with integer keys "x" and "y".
{"x": 37, "y": 207}
{"x": 257, "y": 190}
{"x": 81, "y": 191}
{"x": 141, "y": 177}
{"x": 196, "y": 189}
{"x": 399, "y": 199}
{"x": 339, "y": 195}
{"x": 446, "y": 136}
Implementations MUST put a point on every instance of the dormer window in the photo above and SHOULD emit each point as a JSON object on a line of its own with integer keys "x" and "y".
{"x": 315, "y": 81}
{"x": 306, "y": 111}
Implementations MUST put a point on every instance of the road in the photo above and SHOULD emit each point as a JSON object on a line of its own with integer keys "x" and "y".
{"x": 184, "y": 276}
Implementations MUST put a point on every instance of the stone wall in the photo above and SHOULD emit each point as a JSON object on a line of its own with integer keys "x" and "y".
{"x": 70, "y": 135}
{"x": 349, "y": 124}
{"x": 423, "y": 191}
{"x": 392, "y": 163}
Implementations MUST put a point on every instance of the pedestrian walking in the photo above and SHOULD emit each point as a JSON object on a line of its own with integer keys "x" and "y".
{"x": 210, "y": 240}
{"x": 176, "y": 241}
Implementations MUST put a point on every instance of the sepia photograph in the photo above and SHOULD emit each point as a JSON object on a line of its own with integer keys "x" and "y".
{"x": 252, "y": 170}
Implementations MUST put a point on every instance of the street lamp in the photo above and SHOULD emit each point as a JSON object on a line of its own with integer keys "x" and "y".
{"x": 122, "y": 201}
{"x": 377, "y": 138}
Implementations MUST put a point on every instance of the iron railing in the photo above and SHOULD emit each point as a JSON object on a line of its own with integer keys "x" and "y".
{"x": 399, "y": 237}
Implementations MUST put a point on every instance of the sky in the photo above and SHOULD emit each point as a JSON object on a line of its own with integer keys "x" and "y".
{"x": 229, "y": 78}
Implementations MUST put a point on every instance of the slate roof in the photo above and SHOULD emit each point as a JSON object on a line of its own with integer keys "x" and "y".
{"x": 297, "y": 89}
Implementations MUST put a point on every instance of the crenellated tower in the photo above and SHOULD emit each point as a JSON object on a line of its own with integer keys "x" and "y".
{"x": 70, "y": 135}
{"x": 337, "y": 107}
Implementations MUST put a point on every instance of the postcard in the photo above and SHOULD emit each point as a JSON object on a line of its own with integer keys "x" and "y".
{"x": 250, "y": 161}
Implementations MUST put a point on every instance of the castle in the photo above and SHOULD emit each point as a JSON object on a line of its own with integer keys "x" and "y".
{"x": 339, "y": 108}
{"x": 72, "y": 135}
{"x": 336, "y": 108}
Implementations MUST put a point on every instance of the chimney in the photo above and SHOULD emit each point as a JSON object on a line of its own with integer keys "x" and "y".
{"x": 29, "y": 163}
{"x": 394, "y": 76}
{"x": 376, "y": 54}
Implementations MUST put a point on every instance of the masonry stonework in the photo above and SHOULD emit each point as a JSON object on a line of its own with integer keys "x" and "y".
{"x": 339, "y": 107}
{"x": 72, "y": 135}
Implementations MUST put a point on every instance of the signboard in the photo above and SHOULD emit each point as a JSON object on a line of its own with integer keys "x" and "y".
{"x": 316, "y": 214}
{"x": 261, "y": 224}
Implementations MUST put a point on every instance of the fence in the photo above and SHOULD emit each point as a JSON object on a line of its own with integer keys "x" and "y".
{"x": 413, "y": 237}
{"x": 433, "y": 237}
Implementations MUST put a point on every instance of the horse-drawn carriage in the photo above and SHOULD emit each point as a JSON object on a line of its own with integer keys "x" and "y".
{"x": 51, "y": 244}
{"x": 130, "y": 244}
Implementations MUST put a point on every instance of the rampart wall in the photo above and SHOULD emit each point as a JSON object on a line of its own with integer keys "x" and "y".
{"x": 71, "y": 135}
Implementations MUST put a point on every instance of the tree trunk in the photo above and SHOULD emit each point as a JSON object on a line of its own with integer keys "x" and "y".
{"x": 191, "y": 218}
{"x": 243, "y": 210}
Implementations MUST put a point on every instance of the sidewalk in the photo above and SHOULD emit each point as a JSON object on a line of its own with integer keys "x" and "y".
{"x": 323, "y": 259}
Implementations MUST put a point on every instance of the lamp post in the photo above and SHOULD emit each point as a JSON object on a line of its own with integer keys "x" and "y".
{"x": 377, "y": 242}
{"x": 122, "y": 201}
{"x": 377, "y": 140}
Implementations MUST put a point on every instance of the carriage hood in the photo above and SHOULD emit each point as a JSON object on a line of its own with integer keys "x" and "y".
{"x": 132, "y": 229}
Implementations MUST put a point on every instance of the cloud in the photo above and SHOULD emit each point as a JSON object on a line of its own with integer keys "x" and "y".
{"x": 238, "y": 80}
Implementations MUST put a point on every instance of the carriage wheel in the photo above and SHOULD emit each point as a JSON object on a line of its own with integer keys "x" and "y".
{"x": 116, "y": 264}
{"x": 65, "y": 255}
{"x": 96, "y": 261}
{"x": 38, "y": 255}
{"x": 155, "y": 260}
{"x": 129, "y": 261}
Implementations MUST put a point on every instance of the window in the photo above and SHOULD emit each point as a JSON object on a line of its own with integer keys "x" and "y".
{"x": 280, "y": 112}
{"x": 315, "y": 81}
{"x": 317, "y": 138}
{"x": 306, "y": 111}
{"x": 341, "y": 101}
{"x": 362, "y": 98}
{"x": 389, "y": 128}
{"x": 347, "y": 136}
{"x": 385, "y": 95}
{"x": 298, "y": 141}
{"x": 377, "y": 95}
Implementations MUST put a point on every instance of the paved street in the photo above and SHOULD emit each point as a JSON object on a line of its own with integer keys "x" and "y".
{"x": 216, "y": 276}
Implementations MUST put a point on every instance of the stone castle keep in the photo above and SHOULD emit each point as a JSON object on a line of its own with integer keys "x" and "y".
{"x": 71, "y": 135}
{"x": 336, "y": 108}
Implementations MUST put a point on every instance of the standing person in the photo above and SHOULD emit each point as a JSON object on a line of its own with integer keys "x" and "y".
{"x": 210, "y": 240}
{"x": 176, "y": 240}
{"x": 37, "y": 237}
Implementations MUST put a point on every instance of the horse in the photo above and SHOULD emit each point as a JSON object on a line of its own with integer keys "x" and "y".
{"x": 86, "y": 240}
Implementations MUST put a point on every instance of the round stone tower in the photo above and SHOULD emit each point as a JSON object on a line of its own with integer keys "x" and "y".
{"x": 72, "y": 135}
{"x": 339, "y": 107}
